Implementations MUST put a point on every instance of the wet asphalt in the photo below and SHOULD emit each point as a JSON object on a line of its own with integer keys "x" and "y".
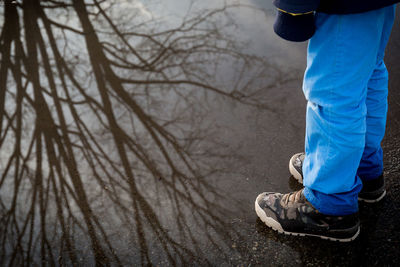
{"x": 134, "y": 173}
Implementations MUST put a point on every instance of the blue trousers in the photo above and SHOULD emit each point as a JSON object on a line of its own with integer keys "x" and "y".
{"x": 346, "y": 86}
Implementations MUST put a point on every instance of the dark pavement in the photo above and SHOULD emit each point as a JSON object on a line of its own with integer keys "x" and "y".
{"x": 126, "y": 141}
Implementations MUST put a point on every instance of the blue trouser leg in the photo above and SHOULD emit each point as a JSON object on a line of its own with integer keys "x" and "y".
{"x": 371, "y": 165}
{"x": 346, "y": 90}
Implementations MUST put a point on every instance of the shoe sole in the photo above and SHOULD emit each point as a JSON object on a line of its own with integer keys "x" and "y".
{"x": 276, "y": 226}
{"x": 373, "y": 200}
{"x": 297, "y": 175}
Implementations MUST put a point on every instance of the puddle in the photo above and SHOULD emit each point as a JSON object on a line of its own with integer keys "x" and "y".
{"x": 126, "y": 140}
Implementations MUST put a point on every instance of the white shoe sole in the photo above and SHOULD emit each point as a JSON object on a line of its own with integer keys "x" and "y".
{"x": 293, "y": 170}
{"x": 373, "y": 200}
{"x": 270, "y": 222}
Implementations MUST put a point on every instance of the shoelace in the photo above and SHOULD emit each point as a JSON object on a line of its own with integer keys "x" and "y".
{"x": 292, "y": 197}
{"x": 299, "y": 160}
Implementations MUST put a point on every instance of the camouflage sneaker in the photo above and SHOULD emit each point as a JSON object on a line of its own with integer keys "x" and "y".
{"x": 296, "y": 166}
{"x": 372, "y": 191}
{"x": 292, "y": 214}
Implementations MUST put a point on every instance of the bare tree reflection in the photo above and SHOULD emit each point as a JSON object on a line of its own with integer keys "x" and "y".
{"x": 101, "y": 132}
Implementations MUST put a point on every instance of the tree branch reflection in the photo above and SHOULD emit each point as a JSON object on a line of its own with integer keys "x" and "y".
{"x": 102, "y": 132}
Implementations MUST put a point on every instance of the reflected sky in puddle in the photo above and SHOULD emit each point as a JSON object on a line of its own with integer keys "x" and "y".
{"x": 115, "y": 132}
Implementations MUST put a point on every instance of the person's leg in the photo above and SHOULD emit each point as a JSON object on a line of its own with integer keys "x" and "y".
{"x": 371, "y": 165}
{"x": 341, "y": 59}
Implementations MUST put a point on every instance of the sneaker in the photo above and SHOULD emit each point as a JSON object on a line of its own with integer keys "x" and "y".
{"x": 292, "y": 214}
{"x": 372, "y": 191}
{"x": 296, "y": 166}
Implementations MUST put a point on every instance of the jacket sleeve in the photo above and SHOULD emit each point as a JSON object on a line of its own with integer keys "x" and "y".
{"x": 295, "y": 19}
{"x": 297, "y": 6}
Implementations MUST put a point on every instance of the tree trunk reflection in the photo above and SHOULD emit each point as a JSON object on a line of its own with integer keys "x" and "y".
{"x": 101, "y": 132}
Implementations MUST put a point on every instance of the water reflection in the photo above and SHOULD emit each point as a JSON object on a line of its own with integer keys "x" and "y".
{"x": 105, "y": 151}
